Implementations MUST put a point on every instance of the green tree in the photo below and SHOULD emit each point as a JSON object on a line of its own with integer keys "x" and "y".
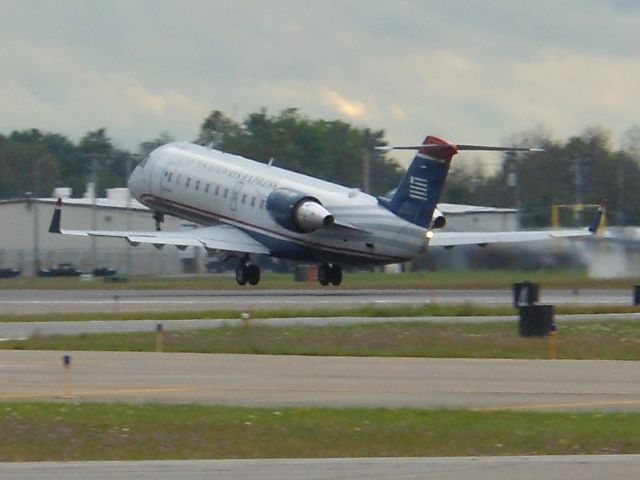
{"x": 148, "y": 146}
{"x": 332, "y": 150}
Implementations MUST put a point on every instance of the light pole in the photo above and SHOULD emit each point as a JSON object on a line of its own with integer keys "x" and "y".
{"x": 32, "y": 205}
{"x": 512, "y": 181}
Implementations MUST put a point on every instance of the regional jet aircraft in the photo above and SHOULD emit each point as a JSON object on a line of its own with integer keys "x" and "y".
{"x": 249, "y": 208}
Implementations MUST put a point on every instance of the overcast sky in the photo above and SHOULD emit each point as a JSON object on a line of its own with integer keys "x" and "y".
{"x": 471, "y": 71}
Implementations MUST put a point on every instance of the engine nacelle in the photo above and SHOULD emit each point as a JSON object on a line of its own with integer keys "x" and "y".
{"x": 438, "y": 220}
{"x": 297, "y": 211}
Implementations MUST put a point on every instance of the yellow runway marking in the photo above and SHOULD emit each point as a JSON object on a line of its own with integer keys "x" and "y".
{"x": 94, "y": 393}
{"x": 548, "y": 406}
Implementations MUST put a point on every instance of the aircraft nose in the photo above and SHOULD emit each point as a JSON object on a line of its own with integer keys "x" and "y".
{"x": 135, "y": 182}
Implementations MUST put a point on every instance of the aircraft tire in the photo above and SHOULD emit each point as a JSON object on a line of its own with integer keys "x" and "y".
{"x": 242, "y": 274}
{"x": 335, "y": 275}
{"x": 324, "y": 274}
{"x": 253, "y": 274}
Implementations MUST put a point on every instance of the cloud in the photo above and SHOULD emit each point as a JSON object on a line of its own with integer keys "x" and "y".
{"x": 350, "y": 108}
{"x": 469, "y": 71}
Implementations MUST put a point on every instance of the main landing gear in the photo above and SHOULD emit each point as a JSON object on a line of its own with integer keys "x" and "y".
{"x": 330, "y": 274}
{"x": 247, "y": 274}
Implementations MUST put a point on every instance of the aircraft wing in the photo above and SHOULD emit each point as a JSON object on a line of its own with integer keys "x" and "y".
{"x": 219, "y": 237}
{"x": 452, "y": 239}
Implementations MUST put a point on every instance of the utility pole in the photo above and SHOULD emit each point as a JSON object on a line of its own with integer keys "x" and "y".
{"x": 94, "y": 209}
{"x": 579, "y": 181}
{"x": 129, "y": 168}
{"x": 366, "y": 161}
{"x": 512, "y": 181}
{"x": 36, "y": 217}
{"x": 621, "y": 215}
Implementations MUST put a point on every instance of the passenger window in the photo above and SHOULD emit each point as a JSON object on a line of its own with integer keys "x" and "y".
{"x": 244, "y": 197}
{"x": 170, "y": 175}
{"x": 261, "y": 204}
{"x": 253, "y": 201}
{"x": 226, "y": 192}
{"x": 197, "y": 184}
{"x": 206, "y": 188}
{"x": 217, "y": 190}
{"x": 187, "y": 182}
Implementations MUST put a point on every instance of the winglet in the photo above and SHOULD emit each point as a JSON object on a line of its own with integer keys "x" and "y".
{"x": 54, "y": 226}
{"x": 593, "y": 228}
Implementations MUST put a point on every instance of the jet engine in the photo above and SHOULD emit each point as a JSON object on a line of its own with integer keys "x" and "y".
{"x": 297, "y": 211}
{"x": 438, "y": 220}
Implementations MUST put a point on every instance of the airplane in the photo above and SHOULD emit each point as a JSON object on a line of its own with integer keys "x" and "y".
{"x": 249, "y": 208}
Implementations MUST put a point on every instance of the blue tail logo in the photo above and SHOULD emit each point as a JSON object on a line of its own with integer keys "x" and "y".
{"x": 419, "y": 191}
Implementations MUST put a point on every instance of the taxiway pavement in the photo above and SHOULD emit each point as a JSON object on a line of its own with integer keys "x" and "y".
{"x": 94, "y": 301}
{"x": 582, "y": 467}
{"x": 280, "y": 381}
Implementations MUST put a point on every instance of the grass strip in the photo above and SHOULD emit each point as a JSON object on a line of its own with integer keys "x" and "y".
{"x": 446, "y": 279}
{"x": 64, "y": 432}
{"x": 434, "y": 310}
{"x": 613, "y": 340}
{"x": 428, "y": 310}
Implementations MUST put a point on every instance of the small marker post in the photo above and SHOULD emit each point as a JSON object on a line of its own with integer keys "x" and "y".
{"x": 159, "y": 337}
{"x": 553, "y": 342}
{"x": 66, "y": 384}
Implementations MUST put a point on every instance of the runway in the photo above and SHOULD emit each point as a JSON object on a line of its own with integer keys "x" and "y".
{"x": 583, "y": 467}
{"x": 102, "y": 301}
{"x": 280, "y": 381}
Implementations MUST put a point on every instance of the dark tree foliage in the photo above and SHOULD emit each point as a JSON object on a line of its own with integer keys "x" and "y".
{"x": 584, "y": 167}
{"x": 28, "y": 163}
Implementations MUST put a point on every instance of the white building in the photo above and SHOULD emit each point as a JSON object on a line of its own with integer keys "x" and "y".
{"x": 25, "y": 242}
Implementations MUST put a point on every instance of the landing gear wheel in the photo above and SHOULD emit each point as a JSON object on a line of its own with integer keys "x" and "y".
{"x": 253, "y": 274}
{"x": 242, "y": 274}
{"x": 335, "y": 275}
{"x": 324, "y": 274}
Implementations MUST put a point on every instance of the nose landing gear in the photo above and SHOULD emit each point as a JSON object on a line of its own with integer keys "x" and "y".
{"x": 329, "y": 274}
{"x": 159, "y": 219}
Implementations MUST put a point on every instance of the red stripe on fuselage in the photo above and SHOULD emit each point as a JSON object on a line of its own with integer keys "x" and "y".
{"x": 236, "y": 222}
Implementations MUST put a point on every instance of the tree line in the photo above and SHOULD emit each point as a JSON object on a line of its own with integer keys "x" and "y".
{"x": 582, "y": 168}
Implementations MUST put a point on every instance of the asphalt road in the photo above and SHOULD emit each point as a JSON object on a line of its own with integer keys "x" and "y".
{"x": 278, "y": 381}
{"x": 611, "y": 467}
{"x": 92, "y": 301}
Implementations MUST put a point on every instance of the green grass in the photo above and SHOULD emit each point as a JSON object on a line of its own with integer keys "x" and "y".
{"x": 64, "y": 432}
{"x": 428, "y": 310}
{"x": 617, "y": 339}
{"x": 432, "y": 310}
{"x": 356, "y": 280}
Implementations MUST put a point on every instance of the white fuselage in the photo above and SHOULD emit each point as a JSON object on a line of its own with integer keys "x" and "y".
{"x": 209, "y": 186}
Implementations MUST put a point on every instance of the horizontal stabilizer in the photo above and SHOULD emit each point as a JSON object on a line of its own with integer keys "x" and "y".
{"x": 460, "y": 147}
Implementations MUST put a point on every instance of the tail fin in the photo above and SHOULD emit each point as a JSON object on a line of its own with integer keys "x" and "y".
{"x": 54, "y": 226}
{"x": 419, "y": 191}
